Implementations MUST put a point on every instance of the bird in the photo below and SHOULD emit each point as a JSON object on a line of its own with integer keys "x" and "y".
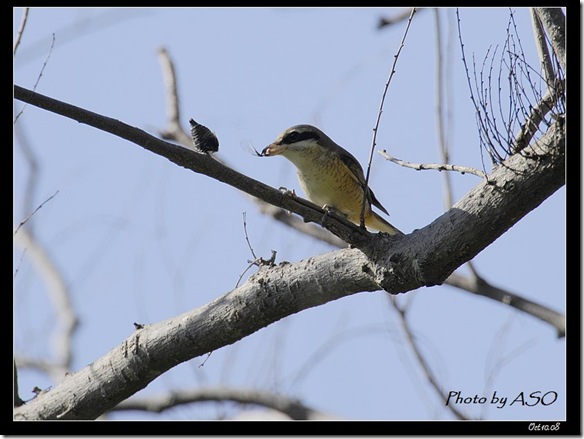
{"x": 329, "y": 175}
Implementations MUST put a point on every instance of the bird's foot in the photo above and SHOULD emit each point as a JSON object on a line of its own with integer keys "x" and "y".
{"x": 286, "y": 191}
{"x": 330, "y": 211}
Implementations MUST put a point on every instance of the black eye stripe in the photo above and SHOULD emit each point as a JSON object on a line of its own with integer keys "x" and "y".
{"x": 295, "y": 136}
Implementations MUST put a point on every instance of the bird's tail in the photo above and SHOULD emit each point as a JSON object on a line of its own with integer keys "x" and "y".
{"x": 374, "y": 221}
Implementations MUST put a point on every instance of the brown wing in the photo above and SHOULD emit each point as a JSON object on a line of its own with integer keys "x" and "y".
{"x": 357, "y": 171}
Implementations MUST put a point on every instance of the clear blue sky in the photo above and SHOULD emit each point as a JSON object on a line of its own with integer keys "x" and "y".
{"x": 139, "y": 239}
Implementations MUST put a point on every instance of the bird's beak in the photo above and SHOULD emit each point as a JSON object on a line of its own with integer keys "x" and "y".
{"x": 273, "y": 149}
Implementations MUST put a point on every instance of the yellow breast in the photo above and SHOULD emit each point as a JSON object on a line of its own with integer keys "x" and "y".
{"x": 326, "y": 180}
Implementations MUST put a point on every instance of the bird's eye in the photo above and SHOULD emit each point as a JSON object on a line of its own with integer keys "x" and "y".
{"x": 292, "y": 137}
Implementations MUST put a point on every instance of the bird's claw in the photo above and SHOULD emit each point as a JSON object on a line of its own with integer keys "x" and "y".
{"x": 286, "y": 191}
{"x": 329, "y": 211}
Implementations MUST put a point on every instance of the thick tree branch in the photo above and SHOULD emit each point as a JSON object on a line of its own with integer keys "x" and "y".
{"x": 514, "y": 188}
{"x": 267, "y": 296}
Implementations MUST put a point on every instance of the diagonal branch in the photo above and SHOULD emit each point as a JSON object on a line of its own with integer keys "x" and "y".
{"x": 264, "y": 298}
{"x": 413, "y": 343}
{"x": 479, "y": 286}
{"x": 542, "y": 48}
{"x": 58, "y": 292}
{"x": 554, "y": 21}
{"x": 294, "y": 409}
{"x": 21, "y": 27}
{"x": 175, "y": 132}
{"x": 202, "y": 164}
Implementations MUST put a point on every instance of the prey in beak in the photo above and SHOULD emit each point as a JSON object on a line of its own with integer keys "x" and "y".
{"x": 273, "y": 149}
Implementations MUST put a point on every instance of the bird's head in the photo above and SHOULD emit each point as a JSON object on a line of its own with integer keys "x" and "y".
{"x": 295, "y": 139}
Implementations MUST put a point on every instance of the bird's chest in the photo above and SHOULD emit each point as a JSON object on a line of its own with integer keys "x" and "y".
{"x": 327, "y": 181}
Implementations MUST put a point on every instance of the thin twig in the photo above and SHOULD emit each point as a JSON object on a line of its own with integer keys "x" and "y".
{"x": 479, "y": 286}
{"x": 39, "y": 76}
{"x": 496, "y": 359}
{"x": 174, "y": 129}
{"x": 435, "y": 166}
{"x": 256, "y": 261}
{"x": 402, "y": 313}
{"x": 21, "y": 27}
{"x": 555, "y": 88}
{"x": 59, "y": 294}
{"x": 30, "y": 158}
{"x": 376, "y": 126}
{"x": 247, "y": 237}
{"x": 298, "y": 224}
{"x": 444, "y": 152}
{"x": 251, "y": 263}
{"x": 395, "y": 19}
{"x": 24, "y": 221}
{"x": 290, "y": 407}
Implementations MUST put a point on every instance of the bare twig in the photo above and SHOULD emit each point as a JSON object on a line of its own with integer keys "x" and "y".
{"x": 497, "y": 359}
{"x": 20, "y": 31}
{"x": 524, "y": 103}
{"x": 479, "y": 286}
{"x": 54, "y": 369}
{"x": 39, "y": 76}
{"x": 24, "y": 221}
{"x": 555, "y": 88}
{"x": 533, "y": 120}
{"x": 298, "y": 224}
{"x": 440, "y": 110}
{"x": 256, "y": 261}
{"x": 435, "y": 166}
{"x": 58, "y": 293}
{"x": 174, "y": 129}
{"x": 395, "y": 19}
{"x": 30, "y": 158}
{"x": 89, "y": 23}
{"x": 380, "y": 111}
{"x": 250, "y": 263}
{"x": 290, "y": 407}
{"x": 402, "y": 313}
{"x": 247, "y": 237}
{"x": 175, "y": 132}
